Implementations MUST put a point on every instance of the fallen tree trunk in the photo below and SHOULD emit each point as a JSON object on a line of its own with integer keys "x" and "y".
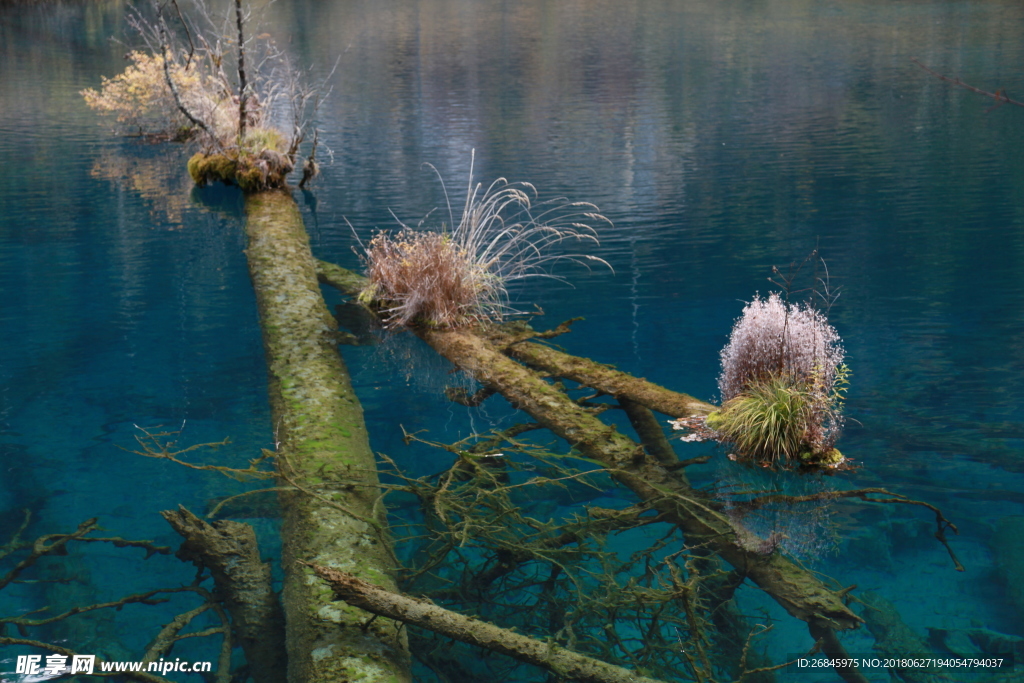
{"x": 565, "y": 664}
{"x": 331, "y": 516}
{"x": 484, "y": 354}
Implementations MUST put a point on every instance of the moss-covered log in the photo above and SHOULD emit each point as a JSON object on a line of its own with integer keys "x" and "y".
{"x": 333, "y": 518}
{"x": 797, "y": 590}
{"x": 563, "y": 663}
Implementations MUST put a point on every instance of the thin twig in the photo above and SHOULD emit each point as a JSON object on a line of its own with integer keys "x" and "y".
{"x": 999, "y": 95}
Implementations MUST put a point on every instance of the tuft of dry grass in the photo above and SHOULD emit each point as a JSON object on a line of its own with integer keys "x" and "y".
{"x": 425, "y": 276}
{"x": 453, "y": 277}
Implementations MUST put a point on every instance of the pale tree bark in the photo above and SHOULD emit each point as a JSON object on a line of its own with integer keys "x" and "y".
{"x": 332, "y": 517}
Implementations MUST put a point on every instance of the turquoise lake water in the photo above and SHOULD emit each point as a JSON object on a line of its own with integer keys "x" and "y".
{"x": 721, "y": 137}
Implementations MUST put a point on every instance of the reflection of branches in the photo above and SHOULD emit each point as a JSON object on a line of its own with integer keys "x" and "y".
{"x": 942, "y": 524}
{"x": 999, "y": 95}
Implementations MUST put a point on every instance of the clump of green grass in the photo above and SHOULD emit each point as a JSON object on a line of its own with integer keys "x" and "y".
{"x": 771, "y": 422}
{"x": 452, "y": 277}
{"x": 782, "y": 383}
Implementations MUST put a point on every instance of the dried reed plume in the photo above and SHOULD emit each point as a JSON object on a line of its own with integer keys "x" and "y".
{"x": 451, "y": 278}
{"x": 782, "y": 382}
{"x": 774, "y": 338}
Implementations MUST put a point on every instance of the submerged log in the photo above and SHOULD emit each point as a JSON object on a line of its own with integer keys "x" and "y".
{"x": 331, "y": 517}
{"x": 563, "y": 663}
{"x": 229, "y": 550}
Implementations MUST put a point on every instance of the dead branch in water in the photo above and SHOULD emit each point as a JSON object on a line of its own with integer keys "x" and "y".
{"x": 562, "y": 662}
{"x": 999, "y": 95}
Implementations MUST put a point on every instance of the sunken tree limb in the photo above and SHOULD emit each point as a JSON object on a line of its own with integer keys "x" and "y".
{"x": 802, "y": 594}
{"x": 330, "y": 513}
{"x": 565, "y": 664}
{"x": 230, "y": 551}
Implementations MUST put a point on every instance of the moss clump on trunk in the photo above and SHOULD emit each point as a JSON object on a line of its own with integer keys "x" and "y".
{"x": 252, "y": 172}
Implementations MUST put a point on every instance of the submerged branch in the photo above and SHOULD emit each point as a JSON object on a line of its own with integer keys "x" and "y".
{"x": 51, "y": 544}
{"x": 564, "y": 663}
{"x": 231, "y": 553}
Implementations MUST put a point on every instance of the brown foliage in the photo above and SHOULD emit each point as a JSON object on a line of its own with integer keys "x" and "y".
{"x": 426, "y": 277}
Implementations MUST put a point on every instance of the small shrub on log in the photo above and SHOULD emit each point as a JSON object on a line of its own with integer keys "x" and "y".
{"x": 170, "y": 92}
{"x": 452, "y": 277}
{"x": 782, "y": 385}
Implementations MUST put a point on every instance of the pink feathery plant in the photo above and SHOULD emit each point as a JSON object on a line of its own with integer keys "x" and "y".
{"x": 782, "y": 385}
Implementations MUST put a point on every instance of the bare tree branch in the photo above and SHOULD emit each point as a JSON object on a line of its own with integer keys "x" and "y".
{"x": 999, "y": 95}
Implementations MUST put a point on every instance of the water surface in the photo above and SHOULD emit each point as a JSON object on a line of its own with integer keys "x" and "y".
{"x": 720, "y": 137}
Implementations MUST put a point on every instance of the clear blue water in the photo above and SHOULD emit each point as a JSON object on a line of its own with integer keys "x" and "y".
{"x": 720, "y": 137}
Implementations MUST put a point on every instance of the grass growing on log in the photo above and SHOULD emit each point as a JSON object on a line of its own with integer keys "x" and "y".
{"x": 768, "y": 421}
{"x": 454, "y": 276}
{"x": 782, "y": 384}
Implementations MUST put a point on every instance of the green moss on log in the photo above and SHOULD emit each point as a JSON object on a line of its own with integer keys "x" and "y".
{"x": 322, "y": 443}
{"x": 258, "y": 164}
